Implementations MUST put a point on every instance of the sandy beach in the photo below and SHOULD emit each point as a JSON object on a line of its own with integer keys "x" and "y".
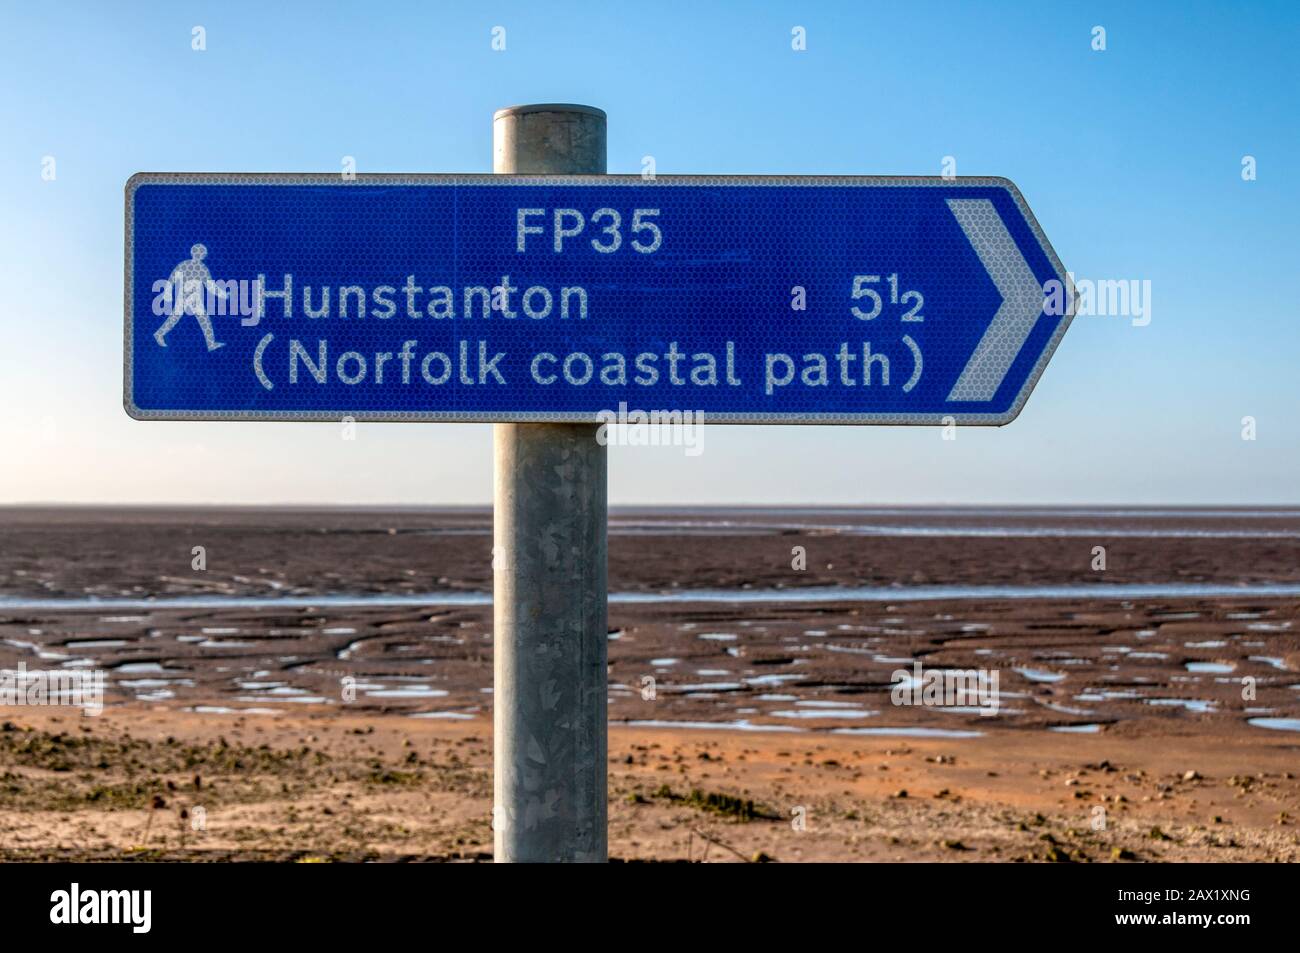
{"x": 322, "y": 689}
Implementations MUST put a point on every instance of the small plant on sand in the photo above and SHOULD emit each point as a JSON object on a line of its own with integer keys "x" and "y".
{"x": 716, "y": 802}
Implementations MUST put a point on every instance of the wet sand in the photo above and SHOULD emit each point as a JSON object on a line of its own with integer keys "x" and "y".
{"x": 1104, "y": 701}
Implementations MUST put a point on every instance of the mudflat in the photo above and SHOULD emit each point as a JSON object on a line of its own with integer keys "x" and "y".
{"x": 318, "y": 684}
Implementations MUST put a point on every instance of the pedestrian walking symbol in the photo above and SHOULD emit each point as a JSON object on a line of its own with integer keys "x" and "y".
{"x": 191, "y": 289}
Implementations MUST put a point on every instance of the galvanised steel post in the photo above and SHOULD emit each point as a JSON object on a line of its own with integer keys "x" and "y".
{"x": 549, "y": 576}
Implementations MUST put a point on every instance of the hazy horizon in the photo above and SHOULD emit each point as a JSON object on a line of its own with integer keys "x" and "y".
{"x": 616, "y": 508}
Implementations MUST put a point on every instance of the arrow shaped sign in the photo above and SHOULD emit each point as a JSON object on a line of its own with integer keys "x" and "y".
{"x": 747, "y": 299}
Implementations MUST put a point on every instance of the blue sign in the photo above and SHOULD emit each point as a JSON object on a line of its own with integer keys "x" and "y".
{"x": 808, "y": 299}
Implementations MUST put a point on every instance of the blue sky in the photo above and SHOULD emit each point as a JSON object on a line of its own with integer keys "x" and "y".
{"x": 1130, "y": 158}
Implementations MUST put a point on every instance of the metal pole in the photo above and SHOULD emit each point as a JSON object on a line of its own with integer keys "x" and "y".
{"x": 549, "y": 577}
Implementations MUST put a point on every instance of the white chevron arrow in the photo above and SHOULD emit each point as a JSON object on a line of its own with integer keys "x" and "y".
{"x": 1022, "y": 299}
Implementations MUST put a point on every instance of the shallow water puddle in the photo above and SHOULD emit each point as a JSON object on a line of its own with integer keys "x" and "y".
{"x": 910, "y": 732}
{"x": 704, "y": 687}
{"x": 845, "y": 713}
{"x": 1038, "y": 675}
{"x": 1199, "y": 705}
{"x": 1092, "y": 696}
{"x": 1277, "y": 724}
{"x": 742, "y": 725}
{"x": 408, "y": 691}
{"x": 735, "y": 596}
{"x": 1272, "y": 660}
{"x": 772, "y": 679}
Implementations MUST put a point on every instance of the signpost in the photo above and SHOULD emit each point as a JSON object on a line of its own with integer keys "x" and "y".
{"x": 549, "y": 298}
{"x": 517, "y": 298}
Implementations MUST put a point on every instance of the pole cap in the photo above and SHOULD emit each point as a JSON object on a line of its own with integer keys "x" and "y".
{"x": 548, "y": 108}
{"x": 549, "y": 139}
